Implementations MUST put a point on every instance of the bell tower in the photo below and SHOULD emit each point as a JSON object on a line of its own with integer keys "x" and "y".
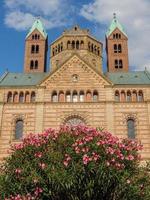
{"x": 117, "y": 48}
{"x": 36, "y": 46}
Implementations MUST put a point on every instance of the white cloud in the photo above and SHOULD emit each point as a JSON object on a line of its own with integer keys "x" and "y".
{"x": 135, "y": 16}
{"x": 21, "y": 13}
{"x": 19, "y": 20}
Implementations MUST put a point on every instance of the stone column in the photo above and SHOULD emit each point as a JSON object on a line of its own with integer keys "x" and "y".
{"x": 110, "y": 117}
{"x": 110, "y": 109}
{"x": 39, "y": 112}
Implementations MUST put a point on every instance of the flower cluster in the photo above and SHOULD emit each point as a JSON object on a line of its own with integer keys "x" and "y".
{"x": 67, "y": 160}
{"x": 35, "y": 195}
{"x": 36, "y": 140}
{"x": 115, "y": 151}
{"x": 68, "y": 150}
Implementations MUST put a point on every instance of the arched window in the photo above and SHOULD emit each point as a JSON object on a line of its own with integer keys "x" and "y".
{"x": 131, "y": 128}
{"x": 95, "y": 96}
{"x": 27, "y": 97}
{"x": 68, "y": 96}
{"x": 61, "y": 96}
{"x": 36, "y": 64}
{"x": 77, "y": 44}
{"x": 73, "y": 44}
{"x": 32, "y": 48}
{"x": 32, "y": 37}
{"x": 82, "y": 44}
{"x": 68, "y": 45}
{"x": 123, "y": 96}
{"x": 115, "y": 48}
{"x": 36, "y": 37}
{"x": 129, "y": 98}
{"x": 9, "y": 97}
{"x": 119, "y": 36}
{"x": 21, "y": 97}
{"x": 15, "y": 97}
{"x": 134, "y": 96}
{"x": 54, "y": 97}
{"x": 59, "y": 48}
{"x": 116, "y": 35}
{"x": 140, "y": 96}
{"x": 19, "y": 129}
{"x": 120, "y": 64}
{"x": 31, "y": 64}
{"x": 88, "y": 96}
{"x": 33, "y": 96}
{"x": 98, "y": 51}
{"x": 74, "y": 121}
{"x": 75, "y": 97}
{"x": 117, "y": 96}
{"x": 116, "y": 64}
{"x": 119, "y": 48}
{"x": 56, "y": 50}
{"x": 53, "y": 51}
{"x": 37, "y": 48}
{"x": 81, "y": 96}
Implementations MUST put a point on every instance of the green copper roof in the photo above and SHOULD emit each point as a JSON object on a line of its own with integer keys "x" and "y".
{"x": 129, "y": 78}
{"x": 21, "y": 79}
{"x": 115, "y": 24}
{"x": 39, "y": 26}
{"x": 32, "y": 79}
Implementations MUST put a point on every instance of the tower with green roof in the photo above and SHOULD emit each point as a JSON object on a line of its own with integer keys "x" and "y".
{"x": 36, "y": 46}
{"x": 117, "y": 47}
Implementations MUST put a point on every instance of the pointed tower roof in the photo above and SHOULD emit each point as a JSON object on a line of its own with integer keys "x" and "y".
{"x": 39, "y": 26}
{"x": 115, "y": 24}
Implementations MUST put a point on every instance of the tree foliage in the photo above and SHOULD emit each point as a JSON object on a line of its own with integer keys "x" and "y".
{"x": 75, "y": 163}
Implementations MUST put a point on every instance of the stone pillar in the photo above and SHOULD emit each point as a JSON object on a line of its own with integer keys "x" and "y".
{"x": 110, "y": 117}
{"x": 1, "y": 116}
{"x": 39, "y": 113}
{"x": 110, "y": 109}
{"x": 148, "y": 107}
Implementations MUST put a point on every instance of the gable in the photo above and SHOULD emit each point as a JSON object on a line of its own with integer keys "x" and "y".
{"x": 117, "y": 30}
{"x": 29, "y": 37}
{"x": 64, "y": 76}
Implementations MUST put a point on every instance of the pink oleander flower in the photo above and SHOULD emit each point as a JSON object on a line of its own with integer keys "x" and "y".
{"x": 38, "y": 191}
{"x": 95, "y": 156}
{"x": 130, "y": 157}
{"x": 42, "y": 165}
{"x": 86, "y": 159}
{"x": 65, "y": 163}
{"x": 38, "y": 155}
{"x": 67, "y": 160}
{"x": 18, "y": 171}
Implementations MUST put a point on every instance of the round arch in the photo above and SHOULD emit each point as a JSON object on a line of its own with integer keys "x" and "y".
{"x": 74, "y": 120}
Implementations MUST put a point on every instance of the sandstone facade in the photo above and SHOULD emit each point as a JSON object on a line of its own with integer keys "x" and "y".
{"x": 75, "y": 91}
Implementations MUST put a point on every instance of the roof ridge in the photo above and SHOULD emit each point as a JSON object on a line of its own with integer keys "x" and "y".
{"x": 147, "y": 73}
{"x": 113, "y": 25}
{"x": 38, "y": 24}
{"x": 3, "y": 76}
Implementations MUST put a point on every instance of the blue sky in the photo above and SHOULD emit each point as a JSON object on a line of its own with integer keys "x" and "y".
{"x": 16, "y": 16}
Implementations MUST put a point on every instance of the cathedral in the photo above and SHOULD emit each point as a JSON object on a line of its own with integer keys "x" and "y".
{"x": 75, "y": 90}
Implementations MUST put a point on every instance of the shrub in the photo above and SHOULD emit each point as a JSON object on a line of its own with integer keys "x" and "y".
{"x": 75, "y": 163}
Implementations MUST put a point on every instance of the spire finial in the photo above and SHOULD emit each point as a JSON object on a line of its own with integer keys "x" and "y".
{"x": 114, "y": 14}
{"x": 38, "y": 17}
